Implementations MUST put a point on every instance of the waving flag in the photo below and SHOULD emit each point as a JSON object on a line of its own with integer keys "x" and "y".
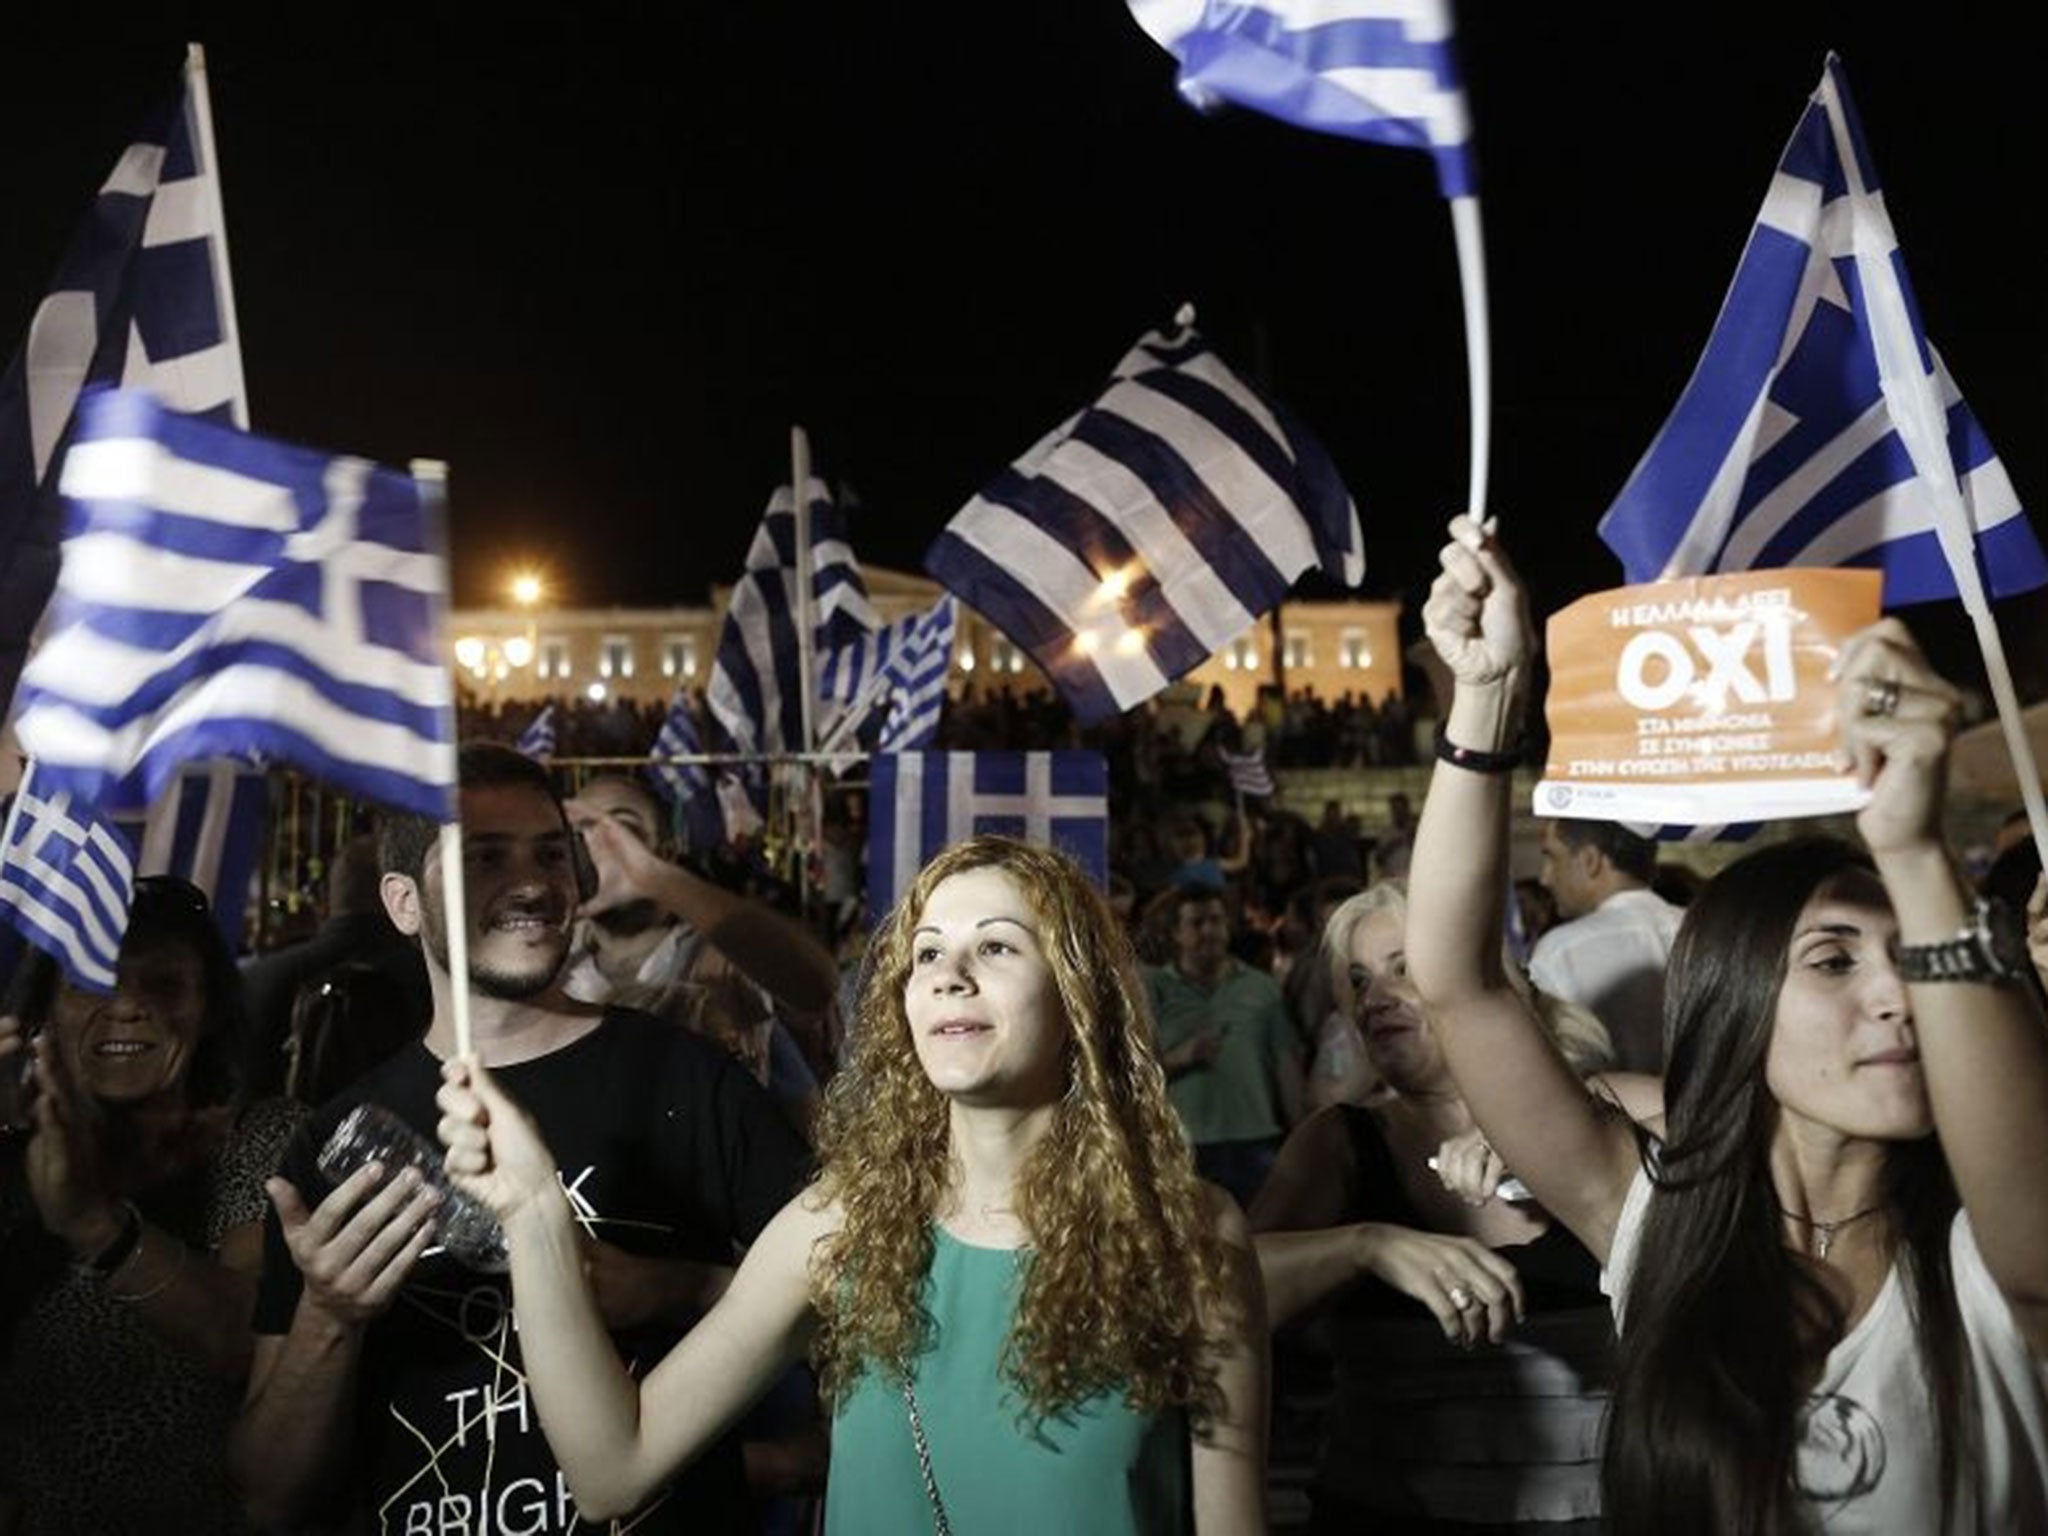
{"x": 1783, "y": 449}
{"x": 225, "y": 595}
{"x": 1380, "y": 70}
{"x": 67, "y": 880}
{"x": 686, "y": 786}
{"x": 538, "y": 739}
{"x": 755, "y": 695}
{"x": 1248, "y": 772}
{"x": 916, "y": 675}
{"x": 142, "y": 298}
{"x": 1150, "y": 530}
{"x": 919, "y": 802}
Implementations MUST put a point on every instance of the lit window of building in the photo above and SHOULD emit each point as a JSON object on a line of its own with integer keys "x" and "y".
{"x": 679, "y": 656}
{"x": 615, "y": 656}
{"x": 1353, "y": 651}
{"x": 1299, "y": 652}
{"x": 1242, "y": 654}
{"x": 554, "y": 658}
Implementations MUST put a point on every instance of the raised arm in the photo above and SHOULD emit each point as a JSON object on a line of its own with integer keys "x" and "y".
{"x": 618, "y": 1440}
{"x": 1534, "y": 1110}
{"x": 777, "y": 955}
{"x": 1983, "y": 1046}
{"x": 1228, "y": 1461}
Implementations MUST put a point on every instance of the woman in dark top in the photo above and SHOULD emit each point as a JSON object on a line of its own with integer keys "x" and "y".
{"x": 130, "y": 1234}
{"x": 1468, "y": 1329}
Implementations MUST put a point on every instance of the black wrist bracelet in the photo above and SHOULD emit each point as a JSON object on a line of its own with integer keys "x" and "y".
{"x": 1448, "y": 751}
{"x": 117, "y": 1253}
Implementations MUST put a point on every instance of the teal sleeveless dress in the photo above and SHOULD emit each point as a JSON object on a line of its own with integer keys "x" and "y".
{"x": 1097, "y": 1470}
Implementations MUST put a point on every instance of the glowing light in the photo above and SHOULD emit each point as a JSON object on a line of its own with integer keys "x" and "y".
{"x": 469, "y": 651}
{"x": 527, "y": 588}
{"x": 595, "y": 693}
{"x": 519, "y": 650}
{"x": 1130, "y": 642}
{"x": 1114, "y": 586}
{"x": 1087, "y": 642}
{"x": 966, "y": 660}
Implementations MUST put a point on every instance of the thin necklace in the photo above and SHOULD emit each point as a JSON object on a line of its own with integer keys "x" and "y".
{"x": 1824, "y": 1231}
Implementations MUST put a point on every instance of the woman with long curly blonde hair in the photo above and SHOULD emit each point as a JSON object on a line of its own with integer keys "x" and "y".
{"x": 1026, "y": 1311}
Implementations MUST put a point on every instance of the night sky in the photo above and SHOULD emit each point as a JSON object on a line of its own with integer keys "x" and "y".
{"x": 601, "y": 270}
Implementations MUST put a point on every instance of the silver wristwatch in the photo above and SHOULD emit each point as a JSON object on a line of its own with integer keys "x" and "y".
{"x": 1992, "y": 946}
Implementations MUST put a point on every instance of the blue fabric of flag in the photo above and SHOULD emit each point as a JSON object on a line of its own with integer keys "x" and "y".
{"x": 916, "y": 684}
{"x": 67, "y": 881}
{"x": 1379, "y": 70}
{"x": 922, "y": 802}
{"x": 755, "y": 696}
{"x": 139, "y": 299}
{"x": 207, "y": 827}
{"x": 538, "y": 739}
{"x": 1151, "y": 529}
{"x": 1781, "y": 450}
{"x": 271, "y": 643}
{"x": 686, "y": 786}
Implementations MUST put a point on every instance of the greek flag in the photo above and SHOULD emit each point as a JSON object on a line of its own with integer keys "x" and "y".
{"x": 67, "y": 880}
{"x": 141, "y": 298}
{"x": 1139, "y": 538}
{"x": 916, "y": 674}
{"x": 1783, "y": 449}
{"x": 224, "y": 595}
{"x": 755, "y": 695}
{"x": 1381, "y": 70}
{"x": 538, "y": 739}
{"x": 207, "y": 827}
{"x": 920, "y": 802}
{"x": 686, "y": 786}
{"x": 1248, "y": 772}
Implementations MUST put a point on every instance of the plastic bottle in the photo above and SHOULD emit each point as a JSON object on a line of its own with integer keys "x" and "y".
{"x": 463, "y": 1226}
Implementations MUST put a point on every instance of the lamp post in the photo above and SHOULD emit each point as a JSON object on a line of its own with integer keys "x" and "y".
{"x": 527, "y": 590}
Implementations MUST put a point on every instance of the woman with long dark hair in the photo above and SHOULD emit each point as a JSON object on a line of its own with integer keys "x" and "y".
{"x": 1829, "y": 1265}
{"x": 130, "y": 1232}
{"x": 1026, "y": 1312}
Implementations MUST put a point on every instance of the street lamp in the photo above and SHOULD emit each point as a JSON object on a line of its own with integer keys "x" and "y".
{"x": 527, "y": 590}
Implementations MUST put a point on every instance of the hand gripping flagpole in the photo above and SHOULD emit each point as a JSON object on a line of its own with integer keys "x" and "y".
{"x": 1917, "y": 410}
{"x": 431, "y": 475}
{"x": 1478, "y": 346}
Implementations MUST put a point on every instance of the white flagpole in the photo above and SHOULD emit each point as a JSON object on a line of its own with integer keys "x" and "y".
{"x": 806, "y": 618}
{"x": 209, "y": 181}
{"x": 431, "y": 475}
{"x": 1921, "y": 416}
{"x": 1478, "y": 345}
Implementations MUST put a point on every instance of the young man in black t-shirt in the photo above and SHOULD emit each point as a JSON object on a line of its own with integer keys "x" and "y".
{"x": 386, "y": 1390}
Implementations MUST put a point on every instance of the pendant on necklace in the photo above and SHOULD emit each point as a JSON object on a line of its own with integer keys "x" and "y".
{"x": 1824, "y": 1236}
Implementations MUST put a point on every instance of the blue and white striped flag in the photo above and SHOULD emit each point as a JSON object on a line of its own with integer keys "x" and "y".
{"x": 1248, "y": 772}
{"x": 207, "y": 827}
{"x": 141, "y": 298}
{"x": 920, "y": 802}
{"x": 686, "y": 786}
{"x": 1142, "y": 536}
{"x": 754, "y": 695}
{"x": 1782, "y": 449}
{"x": 224, "y": 595}
{"x": 67, "y": 880}
{"x": 916, "y": 675}
{"x": 538, "y": 739}
{"x": 1381, "y": 70}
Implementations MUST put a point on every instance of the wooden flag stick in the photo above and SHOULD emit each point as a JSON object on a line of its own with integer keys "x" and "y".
{"x": 432, "y": 477}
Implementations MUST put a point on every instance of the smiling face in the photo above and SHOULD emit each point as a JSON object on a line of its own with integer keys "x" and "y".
{"x": 138, "y": 1043}
{"x": 1843, "y": 1055}
{"x": 984, "y": 1011}
{"x": 520, "y": 886}
{"x": 1398, "y": 1040}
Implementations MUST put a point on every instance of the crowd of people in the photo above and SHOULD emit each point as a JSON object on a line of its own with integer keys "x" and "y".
{"x": 1617, "y": 1206}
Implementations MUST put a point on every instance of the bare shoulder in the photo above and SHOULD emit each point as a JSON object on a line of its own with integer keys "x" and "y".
{"x": 1226, "y": 1216}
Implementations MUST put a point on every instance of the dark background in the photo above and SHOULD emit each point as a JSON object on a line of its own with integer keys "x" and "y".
{"x": 600, "y": 264}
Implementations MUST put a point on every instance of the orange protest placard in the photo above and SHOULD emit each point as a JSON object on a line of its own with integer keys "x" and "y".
{"x": 1702, "y": 701}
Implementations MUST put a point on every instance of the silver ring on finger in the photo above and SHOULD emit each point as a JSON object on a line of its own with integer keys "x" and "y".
{"x": 1461, "y": 1298}
{"x": 1881, "y": 697}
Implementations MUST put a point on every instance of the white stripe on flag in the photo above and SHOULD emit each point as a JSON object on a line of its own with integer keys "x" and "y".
{"x": 909, "y": 833}
{"x": 137, "y": 469}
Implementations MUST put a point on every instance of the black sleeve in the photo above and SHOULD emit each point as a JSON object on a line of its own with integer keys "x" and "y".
{"x": 737, "y": 1154}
